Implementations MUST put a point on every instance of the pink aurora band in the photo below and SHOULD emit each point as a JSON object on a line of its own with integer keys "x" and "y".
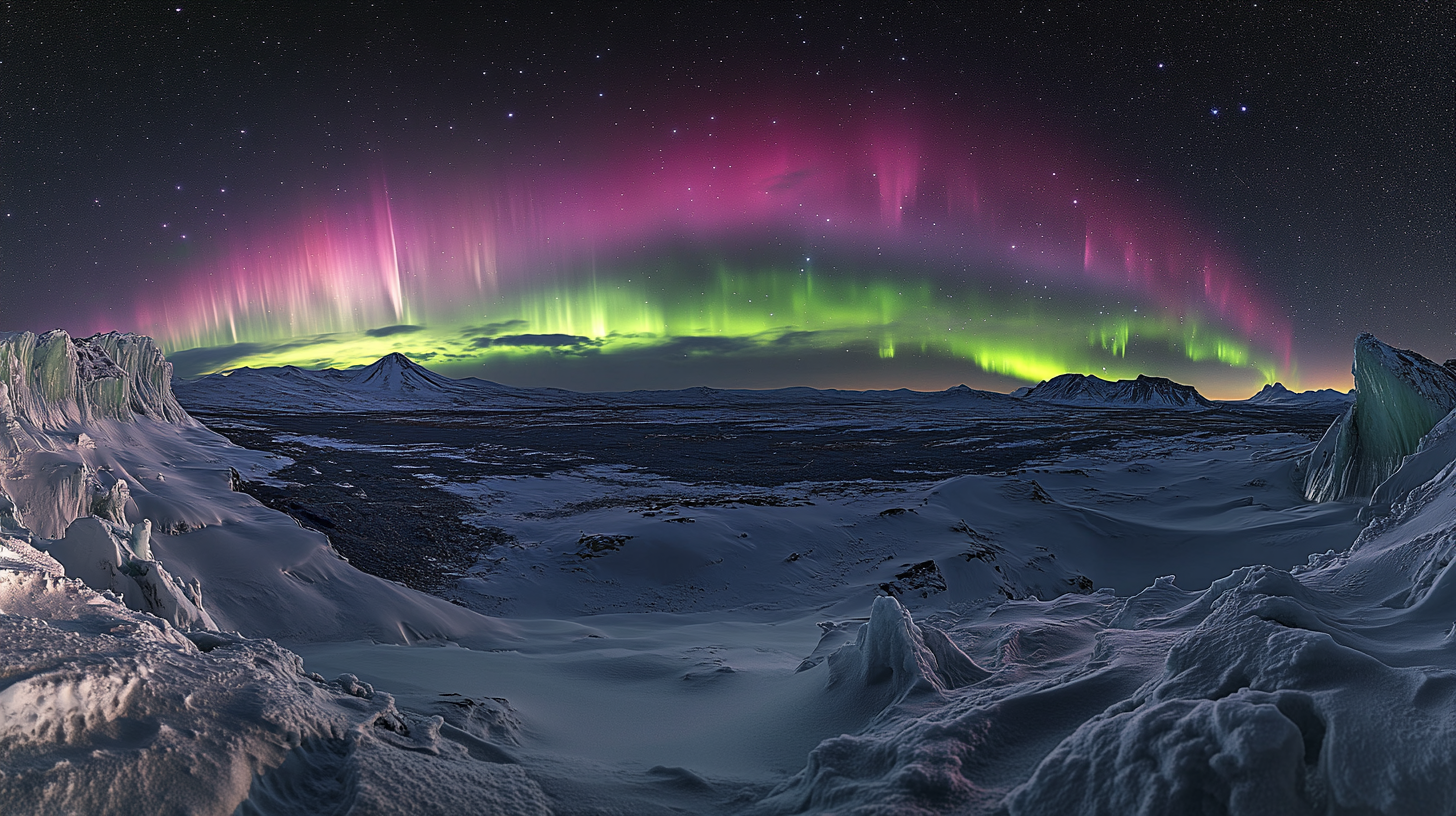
{"x": 921, "y": 185}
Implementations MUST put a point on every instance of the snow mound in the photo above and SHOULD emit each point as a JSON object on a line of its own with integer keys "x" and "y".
{"x": 892, "y": 659}
{"x": 1279, "y": 396}
{"x": 1400, "y": 396}
{"x": 1143, "y": 392}
{"x": 105, "y": 710}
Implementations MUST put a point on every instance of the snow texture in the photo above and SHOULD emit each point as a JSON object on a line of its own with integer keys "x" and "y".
{"x": 105, "y": 710}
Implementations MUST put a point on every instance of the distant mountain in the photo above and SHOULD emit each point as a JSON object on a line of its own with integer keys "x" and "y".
{"x": 1277, "y": 395}
{"x": 1143, "y": 392}
{"x": 398, "y": 374}
{"x": 392, "y": 383}
{"x": 397, "y": 383}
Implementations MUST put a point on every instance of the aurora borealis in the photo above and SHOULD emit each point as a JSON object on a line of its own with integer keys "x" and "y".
{"x": 742, "y": 197}
{"x": 747, "y": 233}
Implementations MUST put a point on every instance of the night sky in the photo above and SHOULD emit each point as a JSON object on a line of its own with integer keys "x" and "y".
{"x": 860, "y": 195}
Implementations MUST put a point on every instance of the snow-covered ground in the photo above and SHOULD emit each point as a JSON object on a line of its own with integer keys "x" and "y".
{"x": 1149, "y": 621}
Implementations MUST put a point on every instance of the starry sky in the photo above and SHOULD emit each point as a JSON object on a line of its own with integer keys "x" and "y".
{"x": 735, "y": 194}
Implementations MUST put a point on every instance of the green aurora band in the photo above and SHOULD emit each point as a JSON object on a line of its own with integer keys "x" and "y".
{"x": 1021, "y": 334}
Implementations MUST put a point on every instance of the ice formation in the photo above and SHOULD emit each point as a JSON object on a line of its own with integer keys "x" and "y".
{"x": 893, "y": 659}
{"x": 52, "y": 383}
{"x": 57, "y": 396}
{"x": 1400, "y": 396}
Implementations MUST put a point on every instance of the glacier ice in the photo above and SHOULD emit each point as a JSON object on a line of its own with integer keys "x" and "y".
{"x": 51, "y": 382}
{"x": 1400, "y": 396}
{"x": 114, "y": 558}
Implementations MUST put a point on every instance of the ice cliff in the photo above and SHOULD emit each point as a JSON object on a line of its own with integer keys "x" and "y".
{"x": 58, "y": 395}
{"x": 1400, "y": 396}
{"x": 50, "y": 382}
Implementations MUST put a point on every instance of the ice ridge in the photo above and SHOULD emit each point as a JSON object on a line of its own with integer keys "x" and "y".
{"x": 1400, "y": 397}
{"x": 50, "y": 382}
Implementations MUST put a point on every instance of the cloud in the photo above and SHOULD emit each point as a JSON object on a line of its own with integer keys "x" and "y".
{"x": 786, "y": 181}
{"x": 800, "y": 339}
{"x": 493, "y": 329}
{"x": 192, "y": 363}
{"x": 708, "y": 345}
{"x": 551, "y": 341}
{"x": 386, "y": 331}
{"x": 196, "y": 362}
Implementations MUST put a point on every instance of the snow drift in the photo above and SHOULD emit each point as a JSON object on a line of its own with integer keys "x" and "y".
{"x": 105, "y": 710}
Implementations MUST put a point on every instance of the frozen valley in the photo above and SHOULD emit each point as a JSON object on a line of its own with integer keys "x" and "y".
{"x": 408, "y": 594}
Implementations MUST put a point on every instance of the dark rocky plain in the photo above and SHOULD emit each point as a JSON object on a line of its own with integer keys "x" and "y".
{"x": 372, "y": 481}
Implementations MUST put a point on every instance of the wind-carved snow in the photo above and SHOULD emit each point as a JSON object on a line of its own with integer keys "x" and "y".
{"x": 106, "y": 710}
{"x": 1400, "y": 396}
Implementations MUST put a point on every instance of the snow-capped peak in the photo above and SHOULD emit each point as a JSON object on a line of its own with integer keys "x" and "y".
{"x": 1145, "y": 391}
{"x": 398, "y": 373}
{"x": 1277, "y": 394}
